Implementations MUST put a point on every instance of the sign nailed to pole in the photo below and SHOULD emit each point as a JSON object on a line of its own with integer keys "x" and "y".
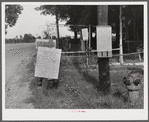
{"x": 104, "y": 41}
{"x": 47, "y": 63}
{"x": 85, "y": 34}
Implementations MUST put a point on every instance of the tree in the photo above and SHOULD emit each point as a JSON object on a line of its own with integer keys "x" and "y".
{"x": 21, "y": 37}
{"x": 16, "y": 39}
{"x": 132, "y": 24}
{"x": 46, "y": 35}
{"x": 88, "y": 15}
{"x": 39, "y": 37}
{"x": 133, "y": 15}
{"x": 51, "y": 10}
{"x": 11, "y": 15}
{"x": 132, "y": 19}
{"x": 28, "y": 38}
{"x": 79, "y": 15}
{"x": 113, "y": 20}
{"x": 71, "y": 13}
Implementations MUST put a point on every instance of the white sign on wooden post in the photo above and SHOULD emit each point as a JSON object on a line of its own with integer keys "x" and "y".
{"x": 41, "y": 42}
{"x": 85, "y": 34}
{"x": 47, "y": 63}
{"x": 104, "y": 41}
{"x": 45, "y": 43}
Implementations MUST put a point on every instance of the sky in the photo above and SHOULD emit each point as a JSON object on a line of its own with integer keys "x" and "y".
{"x": 31, "y": 21}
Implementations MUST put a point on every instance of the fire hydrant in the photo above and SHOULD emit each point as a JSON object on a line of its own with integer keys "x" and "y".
{"x": 133, "y": 85}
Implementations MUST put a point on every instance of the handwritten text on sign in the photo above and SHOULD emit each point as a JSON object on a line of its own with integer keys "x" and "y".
{"x": 48, "y": 62}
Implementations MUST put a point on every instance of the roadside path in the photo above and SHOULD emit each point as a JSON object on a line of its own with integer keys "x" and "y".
{"x": 17, "y": 57}
{"x": 15, "y": 54}
{"x": 17, "y": 89}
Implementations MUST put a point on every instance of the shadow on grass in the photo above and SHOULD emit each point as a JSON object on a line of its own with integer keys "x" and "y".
{"x": 91, "y": 80}
{"x": 88, "y": 78}
{"x": 107, "y": 98}
{"x": 106, "y": 105}
{"x": 120, "y": 95}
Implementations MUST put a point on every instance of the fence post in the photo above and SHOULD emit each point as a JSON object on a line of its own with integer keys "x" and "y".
{"x": 87, "y": 57}
{"x": 89, "y": 37}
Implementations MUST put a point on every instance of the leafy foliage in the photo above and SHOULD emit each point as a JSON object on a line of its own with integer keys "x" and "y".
{"x": 28, "y": 38}
{"x": 47, "y": 9}
{"x": 11, "y": 15}
{"x": 132, "y": 19}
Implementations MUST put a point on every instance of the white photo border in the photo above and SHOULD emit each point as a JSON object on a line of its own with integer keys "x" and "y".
{"x": 66, "y": 114}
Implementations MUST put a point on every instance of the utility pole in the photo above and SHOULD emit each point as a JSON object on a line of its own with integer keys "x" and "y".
{"x": 103, "y": 62}
{"x": 121, "y": 37}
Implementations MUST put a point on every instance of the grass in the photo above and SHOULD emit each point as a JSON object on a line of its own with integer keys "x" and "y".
{"x": 78, "y": 90}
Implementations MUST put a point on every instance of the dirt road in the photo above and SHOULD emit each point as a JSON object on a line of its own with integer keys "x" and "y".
{"x": 15, "y": 54}
{"x": 17, "y": 57}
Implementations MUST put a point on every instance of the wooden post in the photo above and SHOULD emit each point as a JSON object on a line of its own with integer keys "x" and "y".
{"x": 86, "y": 56}
{"x": 121, "y": 37}
{"x": 89, "y": 45}
{"x": 128, "y": 46}
{"x": 44, "y": 85}
{"x": 89, "y": 34}
{"x": 82, "y": 43}
{"x": 103, "y": 63}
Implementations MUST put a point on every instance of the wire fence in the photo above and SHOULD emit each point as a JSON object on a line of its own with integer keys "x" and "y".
{"x": 84, "y": 60}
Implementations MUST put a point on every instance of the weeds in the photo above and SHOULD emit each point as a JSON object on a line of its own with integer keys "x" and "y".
{"x": 78, "y": 90}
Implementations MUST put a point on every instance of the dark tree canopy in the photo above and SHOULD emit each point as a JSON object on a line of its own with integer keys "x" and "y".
{"x": 47, "y": 9}
{"x": 28, "y": 38}
{"x": 132, "y": 19}
{"x": 132, "y": 23}
{"x": 11, "y": 15}
{"x": 73, "y": 14}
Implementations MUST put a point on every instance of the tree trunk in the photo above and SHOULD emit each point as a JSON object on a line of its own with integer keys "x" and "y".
{"x": 57, "y": 27}
{"x": 117, "y": 28}
{"x": 75, "y": 35}
{"x": 134, "y": 27}
{"x": 103, "y": 63}
{"x": 90, "y": 36}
